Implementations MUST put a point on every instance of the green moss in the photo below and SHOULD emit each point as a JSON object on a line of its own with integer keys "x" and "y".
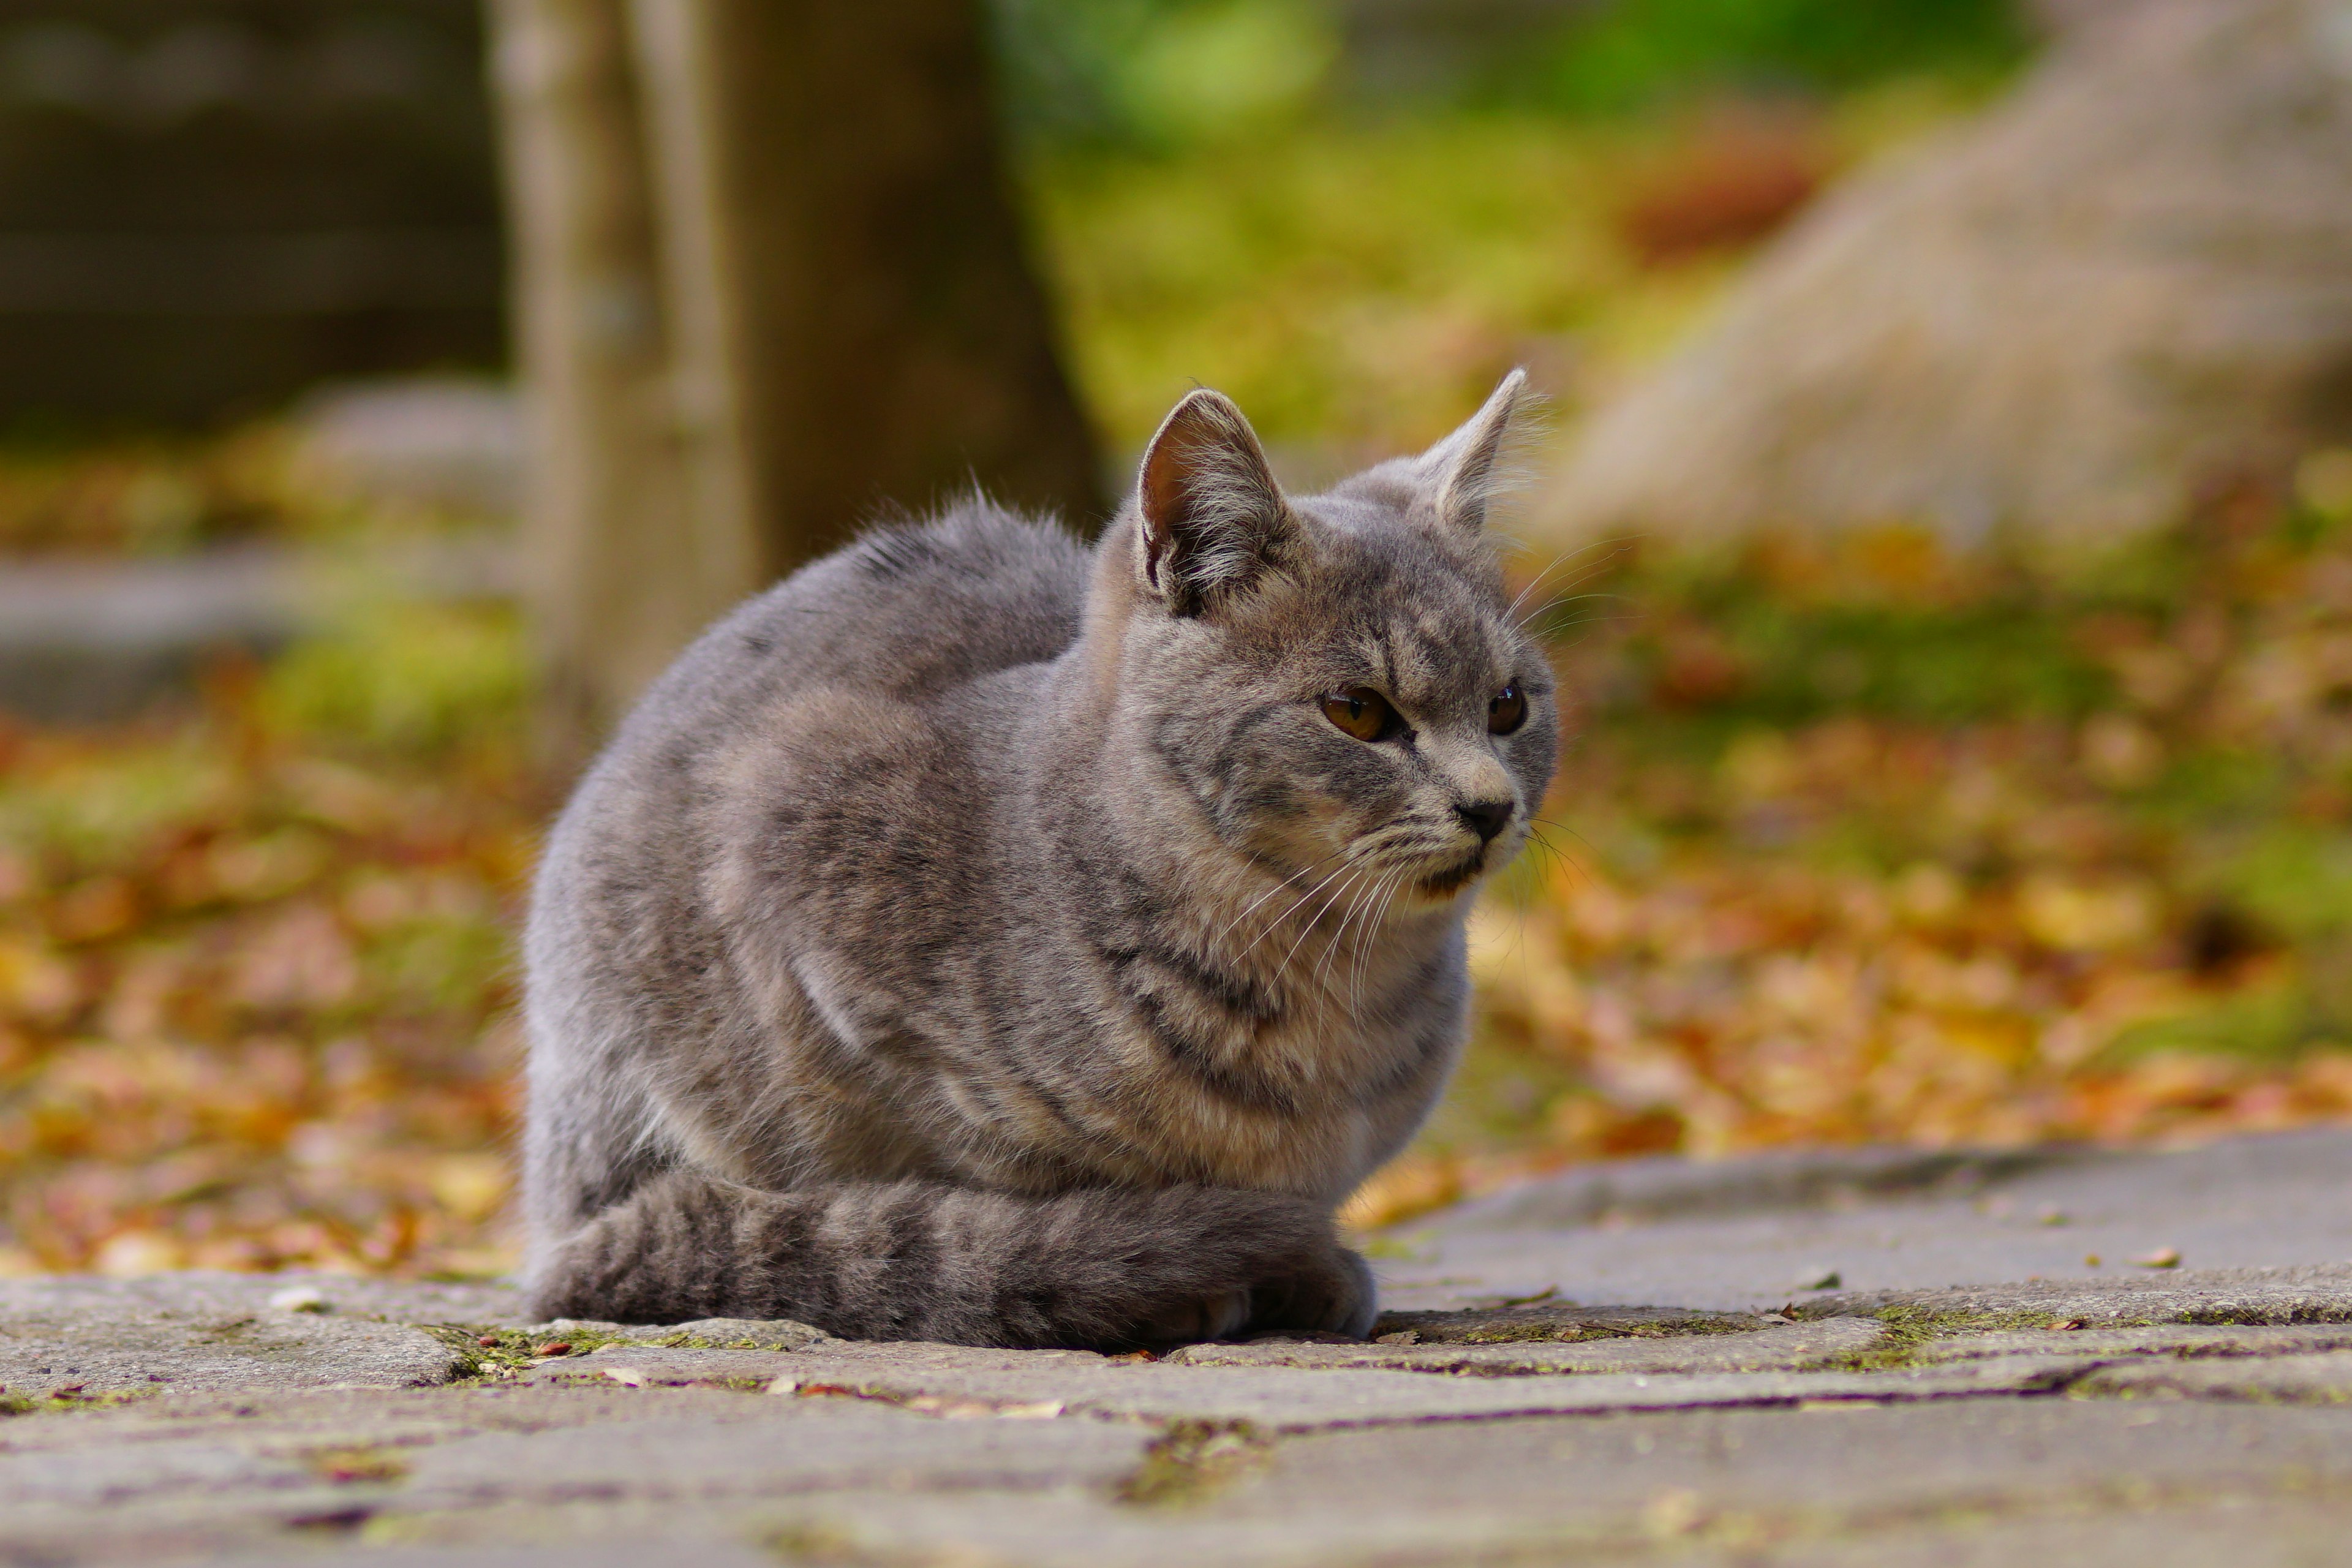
{"x": 1192, "y": 1461}
{"x": 59, "y": 1404}
{"x": 511, "y": 1349}
{"x": 697, "y": 1342}
{"x": 817, "y": 1541}
{"x": 1910, "y": 1330}
{"x": 1577, "y": 1333}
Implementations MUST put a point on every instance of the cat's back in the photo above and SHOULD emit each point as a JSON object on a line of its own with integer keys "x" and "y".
{"x": 905, "y": 611}
{"x": 810, "y": 694}
{"x": 904, "y": 618}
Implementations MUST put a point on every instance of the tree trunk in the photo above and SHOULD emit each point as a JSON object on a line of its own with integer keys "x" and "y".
{"x": 860, "y": 325}
{"x": 772, "y": 286}
{"x": 609, "y": 594}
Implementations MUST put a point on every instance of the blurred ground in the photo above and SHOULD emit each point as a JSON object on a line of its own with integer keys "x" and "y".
{"x": 255, "y": 954}
{"x": 1856, "y": 844}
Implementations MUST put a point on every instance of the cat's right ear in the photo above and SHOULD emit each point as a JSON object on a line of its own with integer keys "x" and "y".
{"x": 1214, "y": 518}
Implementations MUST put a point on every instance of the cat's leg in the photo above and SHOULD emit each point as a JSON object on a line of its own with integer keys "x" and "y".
{"x": 1103, "y": 1267}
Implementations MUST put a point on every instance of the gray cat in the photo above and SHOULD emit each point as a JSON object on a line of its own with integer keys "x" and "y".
{"x": 981, "y": 938}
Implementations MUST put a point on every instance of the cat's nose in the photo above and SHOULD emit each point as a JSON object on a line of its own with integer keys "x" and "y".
{"x": 1485, "y": 818}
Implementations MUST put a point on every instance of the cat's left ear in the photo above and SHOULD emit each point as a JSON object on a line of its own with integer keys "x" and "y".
{"x": 1460, "y": 474}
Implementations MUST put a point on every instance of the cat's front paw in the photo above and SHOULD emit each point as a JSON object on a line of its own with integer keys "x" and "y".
{"x": 1328, "y": 1292}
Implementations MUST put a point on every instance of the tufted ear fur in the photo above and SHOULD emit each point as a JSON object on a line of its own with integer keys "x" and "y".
{"x": 1461, "y": 474}
{"x": 1214, "y": 518}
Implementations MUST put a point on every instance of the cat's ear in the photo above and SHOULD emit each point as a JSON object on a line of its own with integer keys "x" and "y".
{"x": 1214, "y": 519}
{"x": 1461, "y": 474}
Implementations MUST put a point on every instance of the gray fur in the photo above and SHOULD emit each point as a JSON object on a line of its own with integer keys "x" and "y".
{"x": 981, "y": 938}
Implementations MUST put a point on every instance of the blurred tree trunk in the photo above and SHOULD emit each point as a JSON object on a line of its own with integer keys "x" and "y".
{"x": 771, "y": 284}
{"x": 610, "y": 590}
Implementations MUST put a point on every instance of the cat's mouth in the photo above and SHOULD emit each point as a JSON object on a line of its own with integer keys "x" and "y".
{"x": 1452, "y": 880}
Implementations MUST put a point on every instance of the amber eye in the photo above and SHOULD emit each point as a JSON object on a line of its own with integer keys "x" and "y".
{"x": 1507, "y": 712}
{"x": 1362, "y": 713}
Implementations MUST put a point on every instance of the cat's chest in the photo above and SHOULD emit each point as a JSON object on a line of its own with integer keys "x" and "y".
{"x": 1309, "y": 1100}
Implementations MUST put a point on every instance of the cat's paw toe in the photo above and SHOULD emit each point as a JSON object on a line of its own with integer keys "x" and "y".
{"x": 1356, "y": 1310}
{"x": 1213, "y": 1317}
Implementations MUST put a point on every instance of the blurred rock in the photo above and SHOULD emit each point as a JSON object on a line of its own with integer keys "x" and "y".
{"x": 83, "y": 641}
{"x": 453, "y": 442}
{"x": 2131, "y": 281}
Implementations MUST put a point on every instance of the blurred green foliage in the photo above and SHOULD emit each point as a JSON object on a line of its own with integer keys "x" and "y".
{"x": 1363, "y": 285}
{"x": 1217, "y": 206}
{"x": 1791, "y": 658}
{"x": 405, "y": 679}
{"x": 1161, "y": 75}
{"x": 1632, "y": 53}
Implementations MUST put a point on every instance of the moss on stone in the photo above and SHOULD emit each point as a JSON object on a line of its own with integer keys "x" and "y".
{"x": 509, "y": 1349}
{"x": 1908, "y": 1331}
{"x": 1192, "y": 1461}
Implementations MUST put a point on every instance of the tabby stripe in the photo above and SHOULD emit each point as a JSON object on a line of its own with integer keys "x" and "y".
{"x": 1251, "y": 1091}
{"x": 1231, "y": 993}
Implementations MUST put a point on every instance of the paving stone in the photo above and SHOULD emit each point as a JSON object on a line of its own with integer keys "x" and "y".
{"x": 774, "y": 1445}
{"x": 1291, "y": 1399}
{"x": 199, "y": 1330}
{"x": 182, "y": 1475}
{"x": 1683, "y": 1486}
{"x": 2151, "y": 1339}
{"x": 1775, "y": 1348}
{"x": 2242, "y": 1203}
{"x": 141, "y": 1352}
{"x": 656, "y": 1366}
{"x": 2321, "y": 1378}
{"x": 2309, "y": 1293}
{"x": 2244, "y": 1531}
{"x": 1817, "y": 1466}
{"x": 304, "y": 1420}
{"x": 1671, "y": 1188}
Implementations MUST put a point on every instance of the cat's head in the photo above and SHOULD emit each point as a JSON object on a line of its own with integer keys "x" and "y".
{"x": 1338, "y": 679}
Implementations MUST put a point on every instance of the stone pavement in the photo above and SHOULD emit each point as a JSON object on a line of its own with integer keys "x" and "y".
{"x": 1855, "y": 1358}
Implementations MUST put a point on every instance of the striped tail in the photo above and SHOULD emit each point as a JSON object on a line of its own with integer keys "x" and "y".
{"x": 1098, "y": 1268}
